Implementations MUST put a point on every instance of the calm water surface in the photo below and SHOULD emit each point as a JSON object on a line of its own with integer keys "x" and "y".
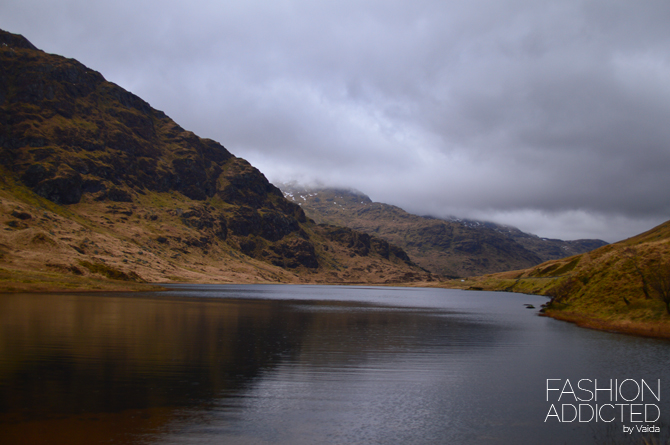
{"x": 285, "y": 364}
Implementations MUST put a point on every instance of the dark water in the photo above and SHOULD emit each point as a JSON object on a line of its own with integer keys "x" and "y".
{"x": 307, "y": 364}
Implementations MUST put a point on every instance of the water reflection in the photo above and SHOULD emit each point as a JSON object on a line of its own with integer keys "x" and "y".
{"x": 291, "y": 364}
{"x": 72, "y": 355}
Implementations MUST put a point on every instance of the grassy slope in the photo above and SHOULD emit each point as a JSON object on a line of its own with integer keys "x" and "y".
{"x": 98, "y": 189}
{"x": 123, "y": 246}
{"x": 603, "y": 289}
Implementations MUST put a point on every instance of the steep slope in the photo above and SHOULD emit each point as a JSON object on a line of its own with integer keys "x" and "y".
{"x": 97, "y": 183}
{"x": 456, "y": 248}
{"x": 623, "y": 286}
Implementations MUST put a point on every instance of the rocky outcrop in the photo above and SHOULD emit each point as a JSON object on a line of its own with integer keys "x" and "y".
{"x": 363, "y": 244}
{"x": 293, "y": 253}
{"x": 66, "y": 131}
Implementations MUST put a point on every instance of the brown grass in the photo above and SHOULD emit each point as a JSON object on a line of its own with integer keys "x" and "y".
{"x": 96, "y": 245}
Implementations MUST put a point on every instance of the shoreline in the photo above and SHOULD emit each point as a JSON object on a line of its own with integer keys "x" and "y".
{"x": 102, "y": 285}
{"x": 627, "y": 327}
{"x": 654, "y": 329}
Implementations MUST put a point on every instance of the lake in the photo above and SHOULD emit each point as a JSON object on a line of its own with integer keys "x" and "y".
{"x": 289, "y": 364}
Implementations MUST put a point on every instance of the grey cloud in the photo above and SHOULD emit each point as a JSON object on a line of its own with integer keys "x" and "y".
{"x": 548, "y": 115}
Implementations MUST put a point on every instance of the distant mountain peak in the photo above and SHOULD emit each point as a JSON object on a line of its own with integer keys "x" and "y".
{"x": 15, "y": 41}
{"x": 300, "y": 194}
{"x": 447, "y": 246}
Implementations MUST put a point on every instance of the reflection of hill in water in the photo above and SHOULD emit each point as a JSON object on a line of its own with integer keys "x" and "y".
{"x": 145, "y": 352}
{"x": 70, "y": 355}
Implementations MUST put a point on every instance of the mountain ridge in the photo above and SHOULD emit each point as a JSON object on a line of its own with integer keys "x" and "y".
{"x": 447, "y": 247}
{"x": 98, "y": 185}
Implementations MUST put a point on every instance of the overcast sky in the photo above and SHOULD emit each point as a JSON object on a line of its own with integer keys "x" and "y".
{"x": 552, "y": 116}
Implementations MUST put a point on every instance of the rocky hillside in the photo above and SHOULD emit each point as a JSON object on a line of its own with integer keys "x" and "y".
{"x": 96, "y": 184}
{"x": 623, "y": 286}
{"x": 451, "y": 248}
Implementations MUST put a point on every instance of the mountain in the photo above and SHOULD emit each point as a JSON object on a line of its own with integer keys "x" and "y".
{"x": 548, "y": 248}
{"x": 450, "y": 248}
{"x": 623, "y": 286}
{"x": 98, "y": 185}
